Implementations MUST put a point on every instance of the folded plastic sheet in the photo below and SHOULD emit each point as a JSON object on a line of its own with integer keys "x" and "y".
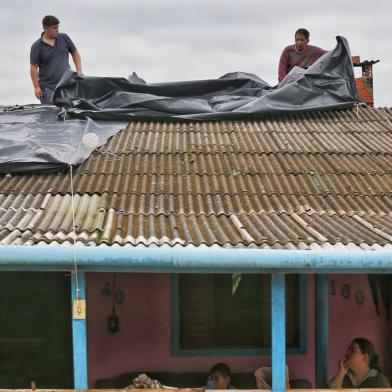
{"x": 327, "y": 84}
{"x": 36, "y": 140}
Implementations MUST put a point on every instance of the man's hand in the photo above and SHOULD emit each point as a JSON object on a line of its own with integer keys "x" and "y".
{"x": 34, "y": 79}
{"x": 38, "y": 92}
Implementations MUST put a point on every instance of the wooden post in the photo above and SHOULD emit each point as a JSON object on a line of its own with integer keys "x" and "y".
{"x": 278, "y": 332}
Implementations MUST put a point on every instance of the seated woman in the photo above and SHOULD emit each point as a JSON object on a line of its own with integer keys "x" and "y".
{"x": 358, "y": 368}
{"x": 263, "y": 377}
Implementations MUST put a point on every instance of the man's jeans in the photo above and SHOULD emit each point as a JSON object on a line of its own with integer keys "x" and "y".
{"x": 46, "y": 95}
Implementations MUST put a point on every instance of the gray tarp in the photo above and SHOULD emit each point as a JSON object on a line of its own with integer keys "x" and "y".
{"x": 327, "y": 84}
{"x": 36, "y": 140}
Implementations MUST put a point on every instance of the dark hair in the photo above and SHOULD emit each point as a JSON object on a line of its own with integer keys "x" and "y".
{"x": 304, "y": 32}
{"x": 366, "y": 347}
{"x": 49, "y": 20}
{"x": 221, "y": 368}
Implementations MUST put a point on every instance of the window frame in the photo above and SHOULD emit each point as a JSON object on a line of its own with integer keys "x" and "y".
{"x": 177, "y": 351}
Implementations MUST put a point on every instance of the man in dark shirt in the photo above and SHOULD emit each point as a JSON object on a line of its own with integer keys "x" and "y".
{"x": 49, "y": 59}
{"x": 301, "y": 54}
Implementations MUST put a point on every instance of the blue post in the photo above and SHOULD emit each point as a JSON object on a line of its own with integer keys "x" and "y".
{"x": 79, "y": 331}
{"x": 321, "y": 283}
{"x": 278, "y": 332}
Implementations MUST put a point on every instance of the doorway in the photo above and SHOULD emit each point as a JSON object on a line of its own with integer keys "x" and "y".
{"x": 35, "y": 330}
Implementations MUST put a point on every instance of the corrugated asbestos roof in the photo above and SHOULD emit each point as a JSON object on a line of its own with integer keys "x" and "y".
{"x": 310, "y": 181}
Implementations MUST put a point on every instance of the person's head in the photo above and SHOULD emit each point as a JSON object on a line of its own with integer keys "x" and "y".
{"x": 51, "y": 26}
{"x": 220, "y": 375}
{"x": 301, "y": 39}
{"x": 361, "y": 352}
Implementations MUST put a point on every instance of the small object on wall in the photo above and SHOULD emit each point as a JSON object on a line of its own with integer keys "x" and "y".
{"x": 79, "y": 309}
{"x": 359, "y": 297}
{"x": 346, "y": 290}
{"x": 120, "y": 297}
{"x": 332, "y": 287}
{"x": 107, "y": 291}
{"x": 113, "y": 322}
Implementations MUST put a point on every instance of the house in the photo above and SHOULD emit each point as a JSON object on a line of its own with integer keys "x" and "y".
{"x": 304, "y": 195}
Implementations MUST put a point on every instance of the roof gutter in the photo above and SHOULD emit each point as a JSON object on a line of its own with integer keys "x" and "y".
{"x": 201, "y": 259}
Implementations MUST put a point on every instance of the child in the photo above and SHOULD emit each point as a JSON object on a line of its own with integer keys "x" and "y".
{"x": 220, "y": 377}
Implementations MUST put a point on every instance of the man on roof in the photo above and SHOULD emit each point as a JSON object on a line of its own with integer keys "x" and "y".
{"x": 301, "y": 54}
{"x": 49, "y": 58}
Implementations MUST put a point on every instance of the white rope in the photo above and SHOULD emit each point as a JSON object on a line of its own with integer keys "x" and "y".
{"x": 73, "y": 230}
{"x": 358, "y": 105}
{"x": 74, "y": 236}
{"x": 386, "y": 117}
{"x": 62, "y": 114}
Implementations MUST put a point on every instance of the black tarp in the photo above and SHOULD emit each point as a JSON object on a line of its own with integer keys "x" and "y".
{"x": 48, "y": 138}
{"x": 327, "y": 84}
{"x": 35, "y": 140}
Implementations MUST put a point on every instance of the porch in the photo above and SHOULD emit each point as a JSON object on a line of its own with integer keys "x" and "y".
{"x": 207, "y": 260}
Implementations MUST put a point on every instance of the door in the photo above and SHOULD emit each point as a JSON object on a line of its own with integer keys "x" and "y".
{"x": 35, "y": 330}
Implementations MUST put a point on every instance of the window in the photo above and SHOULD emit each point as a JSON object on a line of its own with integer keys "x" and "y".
{"x": 208, "y": 318}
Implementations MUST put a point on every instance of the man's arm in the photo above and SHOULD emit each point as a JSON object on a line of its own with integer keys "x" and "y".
{"x": 320, "y": 52}
{"x": 282, "y": 71}
{"x": 77, "y": 60}
{"x": 34, "y": 79}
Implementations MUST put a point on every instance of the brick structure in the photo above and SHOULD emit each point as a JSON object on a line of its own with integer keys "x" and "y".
{"x": 364, "y": 83}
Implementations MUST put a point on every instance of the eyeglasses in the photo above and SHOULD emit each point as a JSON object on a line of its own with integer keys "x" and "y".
{"x": 354, "y": 350}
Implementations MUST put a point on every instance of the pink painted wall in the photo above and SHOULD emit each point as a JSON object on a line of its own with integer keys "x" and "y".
{"x": 144, "y": 340}
{"x": 348, "y": 320}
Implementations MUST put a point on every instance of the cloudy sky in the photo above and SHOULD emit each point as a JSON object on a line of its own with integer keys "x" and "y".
{"x": 188, "y": 39}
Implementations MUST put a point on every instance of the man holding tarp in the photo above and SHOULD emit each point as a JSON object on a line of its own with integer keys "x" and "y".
{"x": 49, "y": 58}
{"x": 301, "y": 54}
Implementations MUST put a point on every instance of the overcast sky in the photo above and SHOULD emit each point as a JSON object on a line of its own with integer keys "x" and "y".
{"x": 188, "y": 39}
